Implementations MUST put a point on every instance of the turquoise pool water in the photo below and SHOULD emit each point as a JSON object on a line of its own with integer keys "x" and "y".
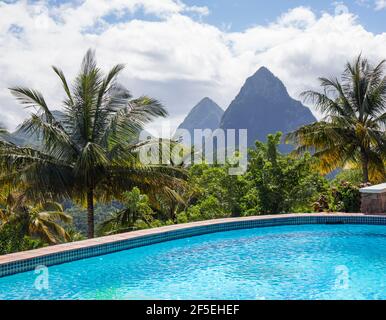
{"x": 288, "y": 262}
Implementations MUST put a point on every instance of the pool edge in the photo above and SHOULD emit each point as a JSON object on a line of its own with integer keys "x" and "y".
{"x": 64, "y": 253}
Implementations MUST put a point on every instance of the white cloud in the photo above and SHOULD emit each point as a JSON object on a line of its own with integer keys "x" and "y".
{"x": 300, "y": 17}
{"x": 202, "y": 11}
{"x": 341, "y": 8}
{"x": 364, "y": 3}
{"x": 380, "y": 4}
{"x": 377, "y": 4}
{"x": 175, "y": 58}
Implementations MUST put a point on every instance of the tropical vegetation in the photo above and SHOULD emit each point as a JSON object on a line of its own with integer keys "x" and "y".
{"x": 352, "y": 133}
{"x": 83, "y": 176}
{"x": 92, "y": 152}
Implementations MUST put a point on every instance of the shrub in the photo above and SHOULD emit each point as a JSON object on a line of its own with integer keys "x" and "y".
{"x": 11, "y": 240}
{"x": 346, "y": 198}
{"x": 281, "y": 183}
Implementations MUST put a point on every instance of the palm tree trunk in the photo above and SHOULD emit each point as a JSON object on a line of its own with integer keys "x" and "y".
{"x": 90, "y": 213}
{"x": 365, "y": 166}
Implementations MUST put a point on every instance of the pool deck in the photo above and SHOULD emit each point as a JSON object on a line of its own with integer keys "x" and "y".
{"x": 47, "y": 251}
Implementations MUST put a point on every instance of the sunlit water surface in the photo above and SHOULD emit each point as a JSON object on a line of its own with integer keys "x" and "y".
{"x": 289, "y": 262}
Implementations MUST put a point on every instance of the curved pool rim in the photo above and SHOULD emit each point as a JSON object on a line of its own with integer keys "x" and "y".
{"x": 29, "y": 260}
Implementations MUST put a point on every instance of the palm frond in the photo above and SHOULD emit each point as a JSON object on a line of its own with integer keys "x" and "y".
{"x": 66, "y": 88}
{"x": 56, "y": 141}
{"x": 32, "y": 98}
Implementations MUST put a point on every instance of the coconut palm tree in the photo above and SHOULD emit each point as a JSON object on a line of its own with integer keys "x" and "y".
{"x": 41, "y": 221}
{"x": 90, "y": 151}
{"x": 352, "y": 132}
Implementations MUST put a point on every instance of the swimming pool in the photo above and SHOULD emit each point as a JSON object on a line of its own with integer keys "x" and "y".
{"x": 282, "y": 262}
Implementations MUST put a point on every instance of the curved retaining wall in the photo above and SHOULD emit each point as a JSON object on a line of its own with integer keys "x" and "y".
{"x": 26, "y": 261}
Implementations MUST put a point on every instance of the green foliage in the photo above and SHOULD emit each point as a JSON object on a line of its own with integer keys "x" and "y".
{"x": 92, "y": 151}
{"x": 182, "y": 218}
{"x": 347, "y": 198}
{"x": 74, "y": 235}
{"x": 207, "y": 209}
{"x": 13, "y": 240}
{"x": 137, "y": 214}
{"x": 214, "y": 192}
{"x": 43, "y": 221}
{"x": 274, "y": 183}
{"x": 280, "y": 183}
{"x": 352, "y": 132}
{"x": 103, "y": 211}
{"x": 341, "y": 197}
{"x": 353, "y": 176}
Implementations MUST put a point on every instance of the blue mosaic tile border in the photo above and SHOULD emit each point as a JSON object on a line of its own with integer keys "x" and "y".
{"x": 83, "y": 253}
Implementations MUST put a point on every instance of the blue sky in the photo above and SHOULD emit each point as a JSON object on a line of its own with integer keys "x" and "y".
{"x": 180, "y": 51}
{"x": 242, "y": 14}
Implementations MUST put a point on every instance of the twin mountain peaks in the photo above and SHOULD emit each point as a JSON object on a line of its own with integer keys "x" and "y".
{"x": 263, "y": 106}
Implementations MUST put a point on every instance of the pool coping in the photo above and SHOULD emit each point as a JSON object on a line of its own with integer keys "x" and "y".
{"x": 63, "y": 253}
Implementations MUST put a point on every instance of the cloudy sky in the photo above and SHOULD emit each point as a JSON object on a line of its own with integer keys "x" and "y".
{"x": 180, "y": 51}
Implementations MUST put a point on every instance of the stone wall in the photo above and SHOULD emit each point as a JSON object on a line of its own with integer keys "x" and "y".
{"x": 373, "y": 203}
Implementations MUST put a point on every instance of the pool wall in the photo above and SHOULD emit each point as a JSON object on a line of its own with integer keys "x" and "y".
{"x": 29, "y": 260}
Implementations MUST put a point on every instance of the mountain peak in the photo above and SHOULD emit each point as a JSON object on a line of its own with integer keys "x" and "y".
{"x": 264, "y": 106}
{"x": 263, "y": 71}
{"x": 207, "y": 100}
{"x": 265, "y": 84}
{"x": 205, "y": 115}
{"x": 208, "y": 105}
